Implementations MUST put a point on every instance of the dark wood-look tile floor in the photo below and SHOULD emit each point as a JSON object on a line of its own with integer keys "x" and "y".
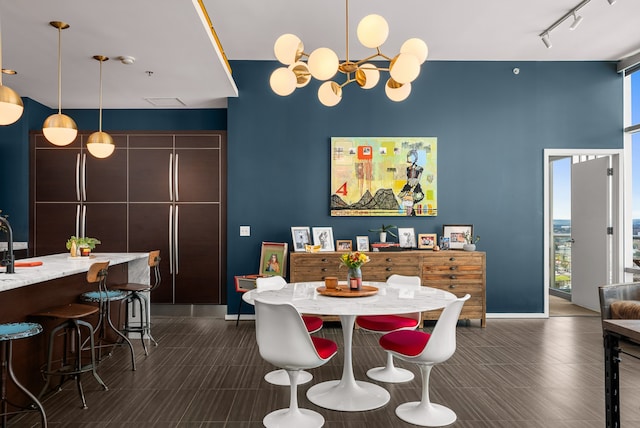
{"x": 528, "y": 373}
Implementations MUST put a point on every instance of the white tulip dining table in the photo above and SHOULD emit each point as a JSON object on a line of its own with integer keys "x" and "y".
{"x": 347, "y": 393}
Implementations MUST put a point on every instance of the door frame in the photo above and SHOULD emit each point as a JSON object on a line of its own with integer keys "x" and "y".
{"x": 617, "y": 216}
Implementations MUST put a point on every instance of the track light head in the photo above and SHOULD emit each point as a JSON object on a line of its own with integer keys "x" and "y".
{"x": 612, "y": 2}
{"x": 577, "y": 19}
{"x": 546, "y": 40}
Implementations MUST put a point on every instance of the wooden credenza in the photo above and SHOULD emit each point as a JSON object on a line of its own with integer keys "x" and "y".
{"x": 459, "y": 272}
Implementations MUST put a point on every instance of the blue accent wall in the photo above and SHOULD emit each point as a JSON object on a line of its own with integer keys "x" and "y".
{"x": 14, "y": 167}
{"x": 491, "y": 125}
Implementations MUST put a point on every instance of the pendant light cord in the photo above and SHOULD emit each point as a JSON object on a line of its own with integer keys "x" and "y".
{"x": 347, "y": 27}
{"x": 100, "y": 120}
{"x": 59, "y": 70}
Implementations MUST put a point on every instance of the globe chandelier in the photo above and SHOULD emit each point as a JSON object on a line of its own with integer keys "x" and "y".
{"x": 323, "y": 64}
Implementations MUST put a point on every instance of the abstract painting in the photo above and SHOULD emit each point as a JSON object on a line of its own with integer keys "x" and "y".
{"x": 384, "y": 176}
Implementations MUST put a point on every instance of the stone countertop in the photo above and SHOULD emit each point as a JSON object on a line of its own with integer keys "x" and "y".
{"x": 58, "y": 266}
{"x": 16, "y": 246}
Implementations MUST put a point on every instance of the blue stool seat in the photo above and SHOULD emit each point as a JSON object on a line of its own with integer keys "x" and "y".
{"x": 19, "y": 330}
{"x": 8, "y": 333}
{"x": 101, "y": 296}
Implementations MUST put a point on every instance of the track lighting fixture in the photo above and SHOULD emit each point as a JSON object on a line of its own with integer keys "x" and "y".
{"x": 577, "y": 19}
{"x": 612, "y": 2}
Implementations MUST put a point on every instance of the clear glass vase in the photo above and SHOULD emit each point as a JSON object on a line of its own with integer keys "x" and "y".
{"x": 354, "y": 278}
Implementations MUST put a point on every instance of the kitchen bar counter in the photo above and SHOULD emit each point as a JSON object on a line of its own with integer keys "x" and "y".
{"x": 61, "y": 265}
{"x": 58, "y": 281}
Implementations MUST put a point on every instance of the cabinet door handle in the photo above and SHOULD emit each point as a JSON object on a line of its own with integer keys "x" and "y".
{"x": 176, "y": 243}
{"x": 171, "y": 176}
{"x": 389, "y": 269}
{"x": 324, "y": 260}
{"x": 453, "y": 277}
{"x": 452, "y": 286}
{"x": 84, "y": 176}
{"x": 176, "y": 175}
{"x": 452, "y": 259}
{"x": 171, "y": 239}
{"x": 453, "y": 267}
{"x": 77, "y": 182}
{"x": 83, "y": 224}
{"x": 324, "y": 269}
{"x": 389, "y": 259}
{"x": 77, "y": 220}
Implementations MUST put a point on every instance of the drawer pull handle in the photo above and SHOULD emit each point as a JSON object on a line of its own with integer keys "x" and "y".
{"x": 452, "y": 259}
{"x": 453, "y": 267}
{"x": 324, "y": 260}
{"x": 452, "y": 286}
{"x": 389, "y": 259}
{"x": 453, "y": 277}
{"x": 324, "y": 269}
{"x": 389, "y": 269}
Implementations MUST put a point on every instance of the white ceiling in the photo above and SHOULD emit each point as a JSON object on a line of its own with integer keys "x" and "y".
{"x": 168, "y": 37}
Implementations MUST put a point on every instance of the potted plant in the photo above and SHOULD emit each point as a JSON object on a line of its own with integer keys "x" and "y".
{"x": 83, "y": 245}
{"x": 384, "y": 230}
{"x": 470, "y": 241}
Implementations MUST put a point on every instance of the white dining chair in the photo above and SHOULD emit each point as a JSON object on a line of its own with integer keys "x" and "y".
{"x": 283, "y": 340}
{"x": 313, "y": 324}
{"x": 388, "y": 323}
{"x": 426, "y": 350}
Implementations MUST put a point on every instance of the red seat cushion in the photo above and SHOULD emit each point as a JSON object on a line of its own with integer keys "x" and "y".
{"x": 324, "y": 347}
{"x": 385, "y": 323}
{"x": 405, "y": 342}
{"x": 313, "y": 324}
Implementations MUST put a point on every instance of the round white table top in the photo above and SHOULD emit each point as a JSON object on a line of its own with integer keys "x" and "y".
{"x": 389, "y": 299}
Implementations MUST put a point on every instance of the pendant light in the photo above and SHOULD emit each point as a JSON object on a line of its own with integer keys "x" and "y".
{"x": 100, "y": 144}
{"x": 11, "y": 106}
{"x": 59, "y": 129}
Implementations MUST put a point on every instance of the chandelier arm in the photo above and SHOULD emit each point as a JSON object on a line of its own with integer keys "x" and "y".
{"x": 370, "y": 57}
{"x": 346, "y": 82}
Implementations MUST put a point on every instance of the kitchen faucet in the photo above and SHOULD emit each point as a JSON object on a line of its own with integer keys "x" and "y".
{"x": 10, "y": 261}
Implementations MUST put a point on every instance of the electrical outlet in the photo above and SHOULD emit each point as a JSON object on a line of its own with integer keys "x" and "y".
{"x": 245, "y": 230}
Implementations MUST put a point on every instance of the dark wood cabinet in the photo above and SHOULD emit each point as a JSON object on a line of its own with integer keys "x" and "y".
{"x": 74, "y": 193}
{"x": 159, "y": 190}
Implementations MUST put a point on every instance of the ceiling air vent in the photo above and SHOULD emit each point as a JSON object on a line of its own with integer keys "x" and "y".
{"x": 166, "y": 102}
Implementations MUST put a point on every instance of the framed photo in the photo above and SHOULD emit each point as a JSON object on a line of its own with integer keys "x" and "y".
{"x": 323, "y": 236}
{"x": 343, "y": 245}
{"x": 362, "y": 243}
{"x": 455, "y": 234}
{"x": 426, "y": 241}
{"x": 273, "y": 258}
{"x": 300, "y": 235}
{"x": 407, "y": 237}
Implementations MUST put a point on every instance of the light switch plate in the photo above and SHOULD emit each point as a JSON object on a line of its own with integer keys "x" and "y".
{"x": 245, "y": 230}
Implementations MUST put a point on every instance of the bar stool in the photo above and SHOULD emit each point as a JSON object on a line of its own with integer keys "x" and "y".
{"x": 103, "y": 297}
{"x": 8, "y": 333}
{"x": 136, "y": 293}
{"x": 72, "y": 315}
